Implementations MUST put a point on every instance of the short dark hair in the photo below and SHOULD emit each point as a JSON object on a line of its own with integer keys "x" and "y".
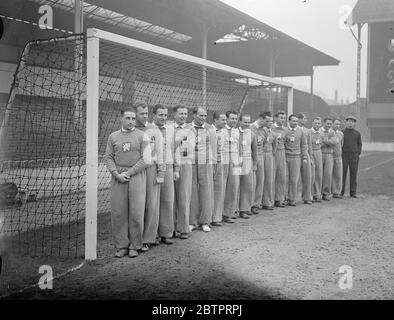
{"x": 216, "y": 115}
{"x": 231, "y": 112}
{"x": 244, "y": 115}
{"x": 127, "y": 109}
{"x": 140, "y": 105}
{"x": 178, "y": 106}
{"x": 292, "y": 116}
{"x": 327, "y": 118}
{"x": 265, "y": 114}
{"x": 277, "y": 114}
{"x": 300, "y": 116}
{"x": 157, "y": 107}
{"x": 338, "y": 119}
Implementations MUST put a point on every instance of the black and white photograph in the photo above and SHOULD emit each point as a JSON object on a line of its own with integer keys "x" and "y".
{"x": 204, "y": 152}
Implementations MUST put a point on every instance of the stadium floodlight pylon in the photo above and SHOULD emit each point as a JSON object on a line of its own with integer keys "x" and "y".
{"x": 63, "y": 84}
{"x": 94, "y": 37}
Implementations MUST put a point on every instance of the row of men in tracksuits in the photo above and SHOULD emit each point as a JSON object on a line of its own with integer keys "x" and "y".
{"x": 171, "y": 179}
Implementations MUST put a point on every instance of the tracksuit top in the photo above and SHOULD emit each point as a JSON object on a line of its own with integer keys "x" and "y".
{"x": 219, "y": 139}
{"x": 269, "y": 144}
{"x": 184, "y": 143}
{"x": 248, "y": 144}
{"x": 329, "y": 141}
{"x": 125, "y": 152}
{"x": 155, "y": 139}
{"x": 260, "y": 137}
{"x": 231, "y": 146}
{"x": 168, "y": 154}
{"x": 337, "y": 151}
{"x": 316, "y": 138}
{"x": 205, "y": 147}
{"x": 295, "y": 143}
{"x": 280, "y": 133}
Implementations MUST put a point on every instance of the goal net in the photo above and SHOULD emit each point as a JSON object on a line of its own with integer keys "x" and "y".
{"x": 64, "y": 103}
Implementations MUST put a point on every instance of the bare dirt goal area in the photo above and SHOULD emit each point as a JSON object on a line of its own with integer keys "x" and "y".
{"x": 290, "y": 253}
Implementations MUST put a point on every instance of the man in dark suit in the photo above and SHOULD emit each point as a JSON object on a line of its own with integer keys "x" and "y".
{"x": 351, "y": 151}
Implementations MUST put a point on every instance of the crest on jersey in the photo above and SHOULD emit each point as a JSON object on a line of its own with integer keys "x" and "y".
{"x": 126, "y": 147}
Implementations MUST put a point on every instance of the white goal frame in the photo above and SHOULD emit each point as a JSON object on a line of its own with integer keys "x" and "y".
{"x": 92, "y": 114}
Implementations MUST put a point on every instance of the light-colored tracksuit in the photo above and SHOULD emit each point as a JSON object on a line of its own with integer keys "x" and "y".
{"x": 307, "y": 168}
{"x": 202, "y": 202}
{"x": 329, "y": 141}
{"x": 248, "y": 142}
{"x": 269, "y": 149}
{"x": 296, "y": 151}
{"x": 337, "y": 170}
{"x": 317, "y": 139}
{"x": 218, "y": 179}
{"x": 157, "y": 168}
{"x": 184, "y": 150}
{"x": 125, "y": 153}
{"x": 279, "y": 163}
{"x": 232, "y": 164}
{"x": 166, "y": 211}
{"x": 259, "y": 173}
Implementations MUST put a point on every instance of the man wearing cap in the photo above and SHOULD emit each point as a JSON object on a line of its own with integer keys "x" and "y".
{"x": 327, "y": 149}
{"x": 351, "y": 151}
{"x": 337, "y": 169}
{"x": 279, "y": 159}
{"x": 219, "y": 121}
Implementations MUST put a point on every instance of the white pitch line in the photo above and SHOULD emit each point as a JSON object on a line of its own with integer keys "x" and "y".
{"x": 377, "y": 165}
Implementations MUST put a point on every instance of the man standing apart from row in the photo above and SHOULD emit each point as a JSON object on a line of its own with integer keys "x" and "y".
{"x": 351, "y": 152}
{"x": 124, "y": 158}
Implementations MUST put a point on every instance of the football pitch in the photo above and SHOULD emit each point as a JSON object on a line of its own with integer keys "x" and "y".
{"x": 289, "y": 253}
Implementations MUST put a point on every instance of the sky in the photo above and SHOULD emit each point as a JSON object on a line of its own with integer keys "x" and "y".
{"x": 317, "y": 23}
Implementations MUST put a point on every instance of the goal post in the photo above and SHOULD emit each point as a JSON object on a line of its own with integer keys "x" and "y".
{"x": 95, "y": 38}
{"x": 54, "y": 152}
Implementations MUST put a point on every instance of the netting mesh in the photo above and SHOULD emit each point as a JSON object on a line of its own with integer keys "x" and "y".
{"x": 43, "y": 129}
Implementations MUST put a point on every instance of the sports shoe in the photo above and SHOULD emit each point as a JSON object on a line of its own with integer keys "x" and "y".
{"x": 121, "y": 253}
{"x": 184, "y": 236}
{"x": 248, "y": 213}
{"x": 206, "y": 228}
{"x": 255, "y": 210}
{"x": 268, "y": 208}
{"x": 243, "y": 215}
{"x": 216, "y": 224}
{"x": 133, "y": 253}
{"x": 228, "y": 220}
{"x": 307, "y": 202}
{"x": 292, "y": 203}
{"x": 192, "y": 227}
{"x": 145, "y": 247}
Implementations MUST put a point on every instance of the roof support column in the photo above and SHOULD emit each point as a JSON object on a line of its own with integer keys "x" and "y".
{"x": 359, "y": 46}
{"x": 204, "y": 35}
{"x": 272, "y": 74}
{"x": 312, "y": 75}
